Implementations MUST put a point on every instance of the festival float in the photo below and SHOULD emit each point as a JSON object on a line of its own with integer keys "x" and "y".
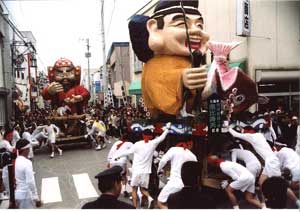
{"x": 178, "y": 87}
{"x": 68, "y": 99}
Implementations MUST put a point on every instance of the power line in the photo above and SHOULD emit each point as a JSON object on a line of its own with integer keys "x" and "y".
{"x": 12, "y": 25}
{"x": 112, "y": 13}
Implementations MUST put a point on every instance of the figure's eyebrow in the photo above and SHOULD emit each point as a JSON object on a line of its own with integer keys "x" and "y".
{"x": 176, "y": 17}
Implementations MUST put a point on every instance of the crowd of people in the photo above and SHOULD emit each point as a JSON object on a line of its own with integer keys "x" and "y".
{"x": 259, "y": 159}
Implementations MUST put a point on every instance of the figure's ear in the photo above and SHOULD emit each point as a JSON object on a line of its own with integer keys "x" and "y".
{"x": 155, "y": 41}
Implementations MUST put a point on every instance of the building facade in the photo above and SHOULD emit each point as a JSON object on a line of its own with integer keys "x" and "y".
{"x": 118, "y": 69}
{"x": 6, "y": 79}
{"x": 269, "y": 52}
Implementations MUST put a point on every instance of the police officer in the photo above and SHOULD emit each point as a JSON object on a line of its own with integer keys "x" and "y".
{"x": 109, "y": 183}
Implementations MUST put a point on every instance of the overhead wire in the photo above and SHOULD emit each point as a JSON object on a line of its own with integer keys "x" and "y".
{"x": 111, "y": 17}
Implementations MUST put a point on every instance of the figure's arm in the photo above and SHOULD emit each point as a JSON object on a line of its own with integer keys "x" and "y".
{"x": 8, "y": 146}
{"x": 162, "y": 137}
{"x": 56, "y": 128}
{"x": 125, "y": 153}
{"x": 164, "y": 160}
{"x": 159, "y": 139}
{"x": 84, "y": 93}
{"x": 233, "y": 156}
{"x": 238, "y": 135}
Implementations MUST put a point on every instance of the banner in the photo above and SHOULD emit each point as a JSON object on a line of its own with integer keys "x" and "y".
{"x": 243, "y": 19}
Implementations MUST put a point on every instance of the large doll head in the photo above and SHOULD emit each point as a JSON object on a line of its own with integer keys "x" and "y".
{"x": 167, "y": 29}
{"x": 64, "y": 72}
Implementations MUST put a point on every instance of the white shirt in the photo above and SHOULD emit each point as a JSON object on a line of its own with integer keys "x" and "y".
{"x": 143, "y": 154}
{"x": 113, "y": 151}
{"x": 16, "y": 137}
{"x": 50, "y": 130}
{"x": 25, "y": 182}
{"x": 257, "y": 140}
{"x": 270, "y": 134}
{"x": 177, "y": 156}
{"x": 244, "y": 155}
{"x": 288, "y": 158}
{"x": 233, "y": 170}
{"x": 5, "y": 144}
{"x": 248, "y": 158}
{"x": 297, "y": 148}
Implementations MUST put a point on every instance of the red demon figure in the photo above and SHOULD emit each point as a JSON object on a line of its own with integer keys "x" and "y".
{"x": 65, "y": 86}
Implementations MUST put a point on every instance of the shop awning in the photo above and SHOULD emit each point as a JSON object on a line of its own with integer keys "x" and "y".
{"x": 135, "y": 88}
{"x": 277, "y": 75}
{"x": 241, "y": 65}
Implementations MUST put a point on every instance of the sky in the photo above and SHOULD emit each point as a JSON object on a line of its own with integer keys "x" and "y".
{"x": 61, "y": 27}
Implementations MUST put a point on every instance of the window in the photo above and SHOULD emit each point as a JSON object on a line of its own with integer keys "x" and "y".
{"x": 138, "y": 65}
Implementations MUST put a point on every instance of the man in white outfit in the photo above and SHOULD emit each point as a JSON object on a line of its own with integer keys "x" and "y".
{"x": 142, "y": 161}
{"x": 297, "y": 148}
{"x": 290, "y": 160}
{"x": 177, "y": 156}
{"x": 28, "y": 137}
{"x": 25, "y": 192}
{"x": 16, "y": 135}
{"x": 242, "y": 178}
{"x": 50, "y": 129}
{"x": 263, "y": 149}
{"x": 250, "y": 160}
{"x": 119, "y": 147}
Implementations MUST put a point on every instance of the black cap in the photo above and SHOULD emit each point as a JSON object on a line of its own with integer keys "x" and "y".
{"x": 165, "y": 7}
{"x": 22, "y": 143}
{"x": 111, "y": 173}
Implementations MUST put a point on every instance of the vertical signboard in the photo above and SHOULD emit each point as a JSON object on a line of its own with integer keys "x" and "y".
{"x": 214, "y": 114}
{"x": 97, "y": 86}
{"x": 243, "y": 19}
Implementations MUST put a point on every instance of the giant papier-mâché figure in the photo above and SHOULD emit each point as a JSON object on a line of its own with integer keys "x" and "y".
{"x": 65, "y": 86}
{"x": 172, "y": 44}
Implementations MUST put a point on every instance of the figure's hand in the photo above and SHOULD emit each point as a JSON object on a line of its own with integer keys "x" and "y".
{"x": 54, "y": 88}
{"x": 75, "y": 99}
{"x": 168, "y": 125}
{"x": 67, "y": 100}
{"x": 224, "y": 184}
{"x": 194, "y": 78}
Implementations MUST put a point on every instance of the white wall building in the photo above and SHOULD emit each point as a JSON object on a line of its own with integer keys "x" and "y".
{"x": 270, "y": 55}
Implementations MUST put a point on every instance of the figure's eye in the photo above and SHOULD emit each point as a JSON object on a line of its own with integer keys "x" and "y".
{"x": 238, "y": 99}
{"x": 200, "y": 26}
{"x": 181, "y": 23}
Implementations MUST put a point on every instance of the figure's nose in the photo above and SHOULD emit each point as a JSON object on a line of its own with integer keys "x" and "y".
{"x": 195, "y": 30}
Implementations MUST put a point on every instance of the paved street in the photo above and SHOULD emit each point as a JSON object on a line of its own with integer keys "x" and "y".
{"x": 74, "y": 161}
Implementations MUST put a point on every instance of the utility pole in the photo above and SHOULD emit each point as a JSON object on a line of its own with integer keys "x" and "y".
{"x": 104, "y": 73}
{"x": 88, "y": 55}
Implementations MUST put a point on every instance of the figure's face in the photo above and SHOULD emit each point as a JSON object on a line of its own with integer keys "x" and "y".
{"x": 172, "y": 39}
{"x": 64, "y": 75}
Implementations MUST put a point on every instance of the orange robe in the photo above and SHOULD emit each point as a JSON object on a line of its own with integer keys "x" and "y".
{"x": 162, "y": 85}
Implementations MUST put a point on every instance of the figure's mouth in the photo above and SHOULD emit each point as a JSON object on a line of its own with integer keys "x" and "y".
{"x": 195, "y": 44}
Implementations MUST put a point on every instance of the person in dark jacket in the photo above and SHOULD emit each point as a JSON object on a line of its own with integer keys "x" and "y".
{"x": 190, "y": 196}
{"x": 109, "y": 183}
